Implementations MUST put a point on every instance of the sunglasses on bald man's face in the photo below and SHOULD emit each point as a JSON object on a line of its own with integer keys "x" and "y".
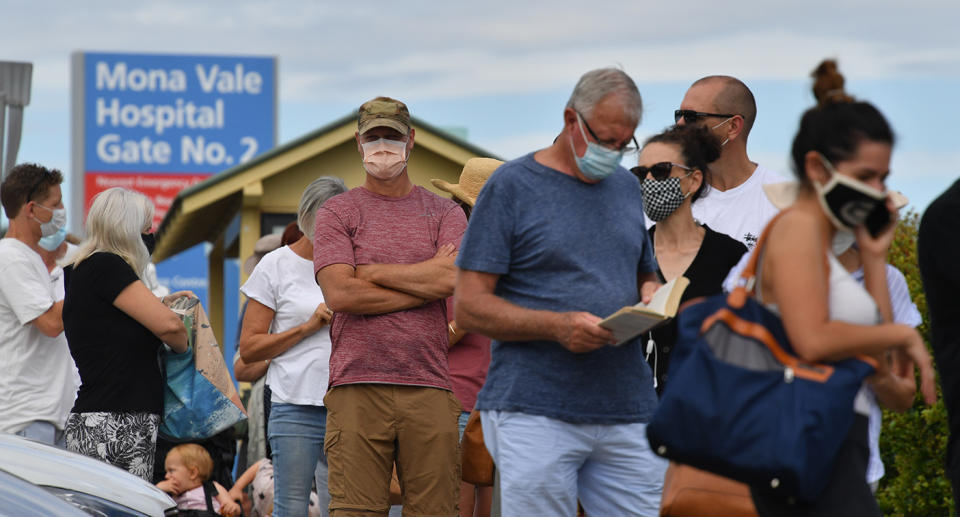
{"x": 659, "y": 171}
{"x": 691, "y": 116}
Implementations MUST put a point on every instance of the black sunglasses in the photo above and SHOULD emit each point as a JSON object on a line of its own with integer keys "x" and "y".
{"x": 625, "y": 148}
{"x": 659, "y": 171}
{"x": 691, "y": 116}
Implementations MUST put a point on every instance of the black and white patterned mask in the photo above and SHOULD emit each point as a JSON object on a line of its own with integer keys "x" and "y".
{"x": 662, "y": 197}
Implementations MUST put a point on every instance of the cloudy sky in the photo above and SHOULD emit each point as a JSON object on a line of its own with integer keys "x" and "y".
{"x": 502, "y": 70}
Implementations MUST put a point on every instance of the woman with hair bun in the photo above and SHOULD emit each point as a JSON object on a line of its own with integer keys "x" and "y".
{"x": 842, "y": 146}
{"x": 115, "y": 327}
{"x": 673, "y": 173}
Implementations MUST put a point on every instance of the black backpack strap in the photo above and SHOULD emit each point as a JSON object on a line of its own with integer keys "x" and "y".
{"x": 208, "y": 491}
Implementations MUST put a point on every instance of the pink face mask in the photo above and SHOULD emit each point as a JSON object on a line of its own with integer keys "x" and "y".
{"x": 384, "y": 159}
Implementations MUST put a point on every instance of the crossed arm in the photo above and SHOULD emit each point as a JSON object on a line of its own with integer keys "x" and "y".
{"x": 383, "y": 288}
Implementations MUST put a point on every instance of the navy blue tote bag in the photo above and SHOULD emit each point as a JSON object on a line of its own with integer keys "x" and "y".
{"x": 741, "y": 404}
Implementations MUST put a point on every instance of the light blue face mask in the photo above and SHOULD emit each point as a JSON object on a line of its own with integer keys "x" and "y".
{"x": 598, "y": 162}
{"x": 52, "y": 242}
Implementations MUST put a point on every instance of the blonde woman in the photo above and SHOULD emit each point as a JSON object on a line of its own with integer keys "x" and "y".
{"x": 115, "y": 327}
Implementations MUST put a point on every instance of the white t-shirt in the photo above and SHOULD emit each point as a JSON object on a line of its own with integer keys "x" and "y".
{"x": 37, "y": 380}
{"x": 741, "y": 212}
{"x": 906, "y": 313}
{"x": 283, "y": 281}
{"x": 59, "y": 292}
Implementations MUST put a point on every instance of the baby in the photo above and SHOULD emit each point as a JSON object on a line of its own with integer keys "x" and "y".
{"x": 188, "y": 468}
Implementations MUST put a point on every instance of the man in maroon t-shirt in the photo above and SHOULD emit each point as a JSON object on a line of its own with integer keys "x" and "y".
{"x": 383, "y": 255}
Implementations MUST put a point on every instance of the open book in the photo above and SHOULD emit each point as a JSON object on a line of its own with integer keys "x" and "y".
{"x": 631, "y": 321}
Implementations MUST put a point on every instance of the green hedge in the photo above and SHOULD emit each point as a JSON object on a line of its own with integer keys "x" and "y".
{"x": 914, "y": 444}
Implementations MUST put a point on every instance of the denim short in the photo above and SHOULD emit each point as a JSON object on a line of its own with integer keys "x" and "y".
{"x": 462, "y": 422}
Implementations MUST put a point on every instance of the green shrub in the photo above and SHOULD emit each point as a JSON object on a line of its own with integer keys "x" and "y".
{"x": 914, "y": 444}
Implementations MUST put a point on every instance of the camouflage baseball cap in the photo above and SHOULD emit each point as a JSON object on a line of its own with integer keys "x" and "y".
{"x": 383, "y": 111}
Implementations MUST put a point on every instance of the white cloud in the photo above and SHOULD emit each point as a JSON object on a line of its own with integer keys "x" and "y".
{"x": 429, "y": 49}
{"x": 332, "y": 54}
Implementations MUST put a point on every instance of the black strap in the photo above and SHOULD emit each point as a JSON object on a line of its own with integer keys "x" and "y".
{"x": 208, "y": 490}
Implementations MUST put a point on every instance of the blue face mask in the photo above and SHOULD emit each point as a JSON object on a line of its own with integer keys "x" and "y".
{"x": 52, "y": 242}
{"x": 598, "y": 162}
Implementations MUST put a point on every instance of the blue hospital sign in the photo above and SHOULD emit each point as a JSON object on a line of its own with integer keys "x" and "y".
{"x": 176, "y": 114}
{"x": 161, "y": 123}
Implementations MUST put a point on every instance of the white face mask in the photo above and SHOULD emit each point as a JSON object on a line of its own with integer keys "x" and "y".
{"x": 383, "y": 158}
{"x": 842, "y": 240}
{"x": 56, "y": 222}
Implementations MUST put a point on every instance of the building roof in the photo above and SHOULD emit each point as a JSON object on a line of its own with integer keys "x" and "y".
{"x": 202, "y": 212}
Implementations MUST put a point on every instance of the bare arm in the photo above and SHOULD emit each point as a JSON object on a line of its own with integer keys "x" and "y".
{"x": 50, "y": 323}
{"x": 258, "y": 344}
{"x": 236, "y": 491}
{"x": 796, "y": 279}
{"x": 249, "y": 372}
{"x": 344, "y": 292}
{"x": 139, "y": 303}
{"x": 894, "y": 383}
{"x": 228, "y": 506}
{"x": 430, "y": 280}
{"x": 479, "y": 310}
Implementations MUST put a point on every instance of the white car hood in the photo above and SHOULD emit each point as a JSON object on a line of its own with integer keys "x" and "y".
{"x": 44, "y": 465}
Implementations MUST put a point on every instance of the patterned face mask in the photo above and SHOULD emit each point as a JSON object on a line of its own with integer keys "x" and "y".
{"x": 662, "y": 197}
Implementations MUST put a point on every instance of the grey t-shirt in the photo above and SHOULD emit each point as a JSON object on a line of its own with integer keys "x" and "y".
{"x": 560, "y": 244}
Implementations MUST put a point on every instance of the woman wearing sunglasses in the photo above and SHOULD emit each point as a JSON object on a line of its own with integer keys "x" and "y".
{"x": 841, "y": 155}
{"x": 672, "y": 172}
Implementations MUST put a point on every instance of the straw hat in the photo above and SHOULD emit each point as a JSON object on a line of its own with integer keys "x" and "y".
{"x": 475, "y": 173}
{"x": 784, "y": 194}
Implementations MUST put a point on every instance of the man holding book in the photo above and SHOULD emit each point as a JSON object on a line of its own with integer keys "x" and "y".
{"x": 555, "y": 243}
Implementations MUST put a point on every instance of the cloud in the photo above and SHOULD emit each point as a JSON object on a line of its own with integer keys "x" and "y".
{"x": 429, "y": 49}
{"x": 440, "y": 56}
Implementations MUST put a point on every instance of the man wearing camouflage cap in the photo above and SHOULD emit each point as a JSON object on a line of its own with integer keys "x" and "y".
{"x": 383, "y": 255}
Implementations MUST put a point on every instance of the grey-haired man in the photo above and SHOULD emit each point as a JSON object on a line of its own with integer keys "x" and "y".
{"x": 564, "y": 413}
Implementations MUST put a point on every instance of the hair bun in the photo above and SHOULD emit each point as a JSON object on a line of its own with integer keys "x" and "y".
{"x": 828, "y": 84}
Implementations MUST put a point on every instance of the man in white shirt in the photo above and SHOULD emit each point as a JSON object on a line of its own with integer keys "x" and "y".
{"x": 734, "y": 202}
{"x": 36, "y": 373}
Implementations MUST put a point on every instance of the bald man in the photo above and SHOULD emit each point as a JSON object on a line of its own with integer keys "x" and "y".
{"x": 734, "y": 201}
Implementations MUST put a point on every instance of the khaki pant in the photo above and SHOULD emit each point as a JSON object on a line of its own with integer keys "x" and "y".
{"x": 371, "y": 426}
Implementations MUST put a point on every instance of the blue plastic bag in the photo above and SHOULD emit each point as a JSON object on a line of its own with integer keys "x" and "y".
{"x": 199, "y": 398}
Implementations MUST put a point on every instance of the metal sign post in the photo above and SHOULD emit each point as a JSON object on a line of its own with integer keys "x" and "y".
{"x": 15, "y": 94}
